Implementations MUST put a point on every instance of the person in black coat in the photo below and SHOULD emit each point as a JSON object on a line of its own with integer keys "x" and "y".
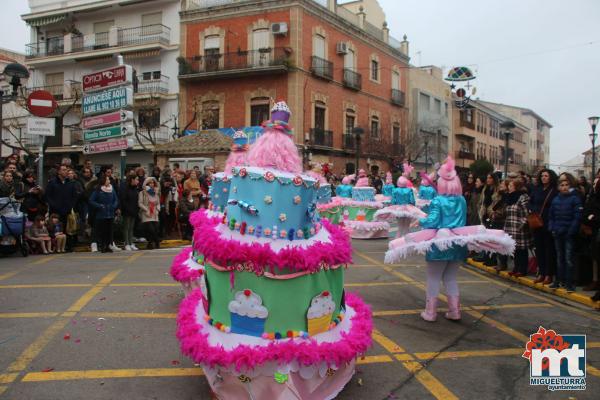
{"x": 33, "y": 202}
{"x": 129, "y": 209}
{"x": 540, "y": 201}
{"x": 61, "y": 196}
{"x": 105, "y": 201}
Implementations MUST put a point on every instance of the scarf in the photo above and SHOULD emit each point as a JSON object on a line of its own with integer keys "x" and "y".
{"x": 150, "y": 191}
{"x": 106, "y": 189}
{"x": 513, "y": 197}
{"x": 488, "y": 192}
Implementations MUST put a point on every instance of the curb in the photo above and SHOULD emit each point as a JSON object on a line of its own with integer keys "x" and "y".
{"x": 527, "y": 281}
{"x": 165, "y": 244}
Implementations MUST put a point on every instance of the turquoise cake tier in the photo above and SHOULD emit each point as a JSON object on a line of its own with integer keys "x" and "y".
{"x": 219, "y": 191}
{"x": 324, "y": 194}
{"x": 363, "y": 193}
{"x": 270, "y": 199}
{"x": 344, "y": 191}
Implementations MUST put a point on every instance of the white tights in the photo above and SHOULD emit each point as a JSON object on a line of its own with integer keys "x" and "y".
{"x": 403, "y": 227}
{"x": 438, "y": 271}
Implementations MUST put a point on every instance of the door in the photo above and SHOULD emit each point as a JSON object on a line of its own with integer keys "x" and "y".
{"x": 261, "y": 53}
{"x": 101, "y": 30}
{"x": 55, "y": 84}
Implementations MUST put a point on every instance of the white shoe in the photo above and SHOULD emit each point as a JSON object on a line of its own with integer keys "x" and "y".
{"x": 141, "y": 240}
{"x": 128, "y": 248}
{"x": 133, "y": 247}
{"x": 94, "y": 247}
{"x": 114, "y": 247}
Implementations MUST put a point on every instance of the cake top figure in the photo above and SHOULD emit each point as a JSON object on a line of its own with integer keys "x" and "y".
{"x": 239, "y": 152}
{"x": 403, "y": 180}
{"x": 388, "y": 178}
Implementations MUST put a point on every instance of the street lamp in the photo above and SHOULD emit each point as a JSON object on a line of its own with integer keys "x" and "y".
{"x": 426, "y": 152}
{"x": 593, "y": 123}
{"x": 15, "y": 72}
{"x": 507, "y": 125}
{"x": 357, "y": 133}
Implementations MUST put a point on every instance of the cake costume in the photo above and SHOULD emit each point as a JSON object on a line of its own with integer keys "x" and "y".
{"x": 389, "y": 185}
{"x": 324, "y": 190}
{"x": 427, "y": 192}
{"x": 402, "y": 208}
{"x": 445, "y": 241}
{"x": 275, "y": 321}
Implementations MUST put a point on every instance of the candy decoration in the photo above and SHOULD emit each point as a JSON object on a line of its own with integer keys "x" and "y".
{"x": 232, "y": 224}
{"x": 306, "y": 230}
{"x": 247, "y": 292}
{"x": 242, "y": 172}
{"x": 300, "y": 233}
{"x": 282, "y": 217}
{"x": 297, "y": 181}
{"x": 269, "y": 176}
{"x": 243, "y": 228}
{"x": 267, "y": 232}
{"x": 291, "y": 233}
{"x": 250, "y": 230}
{"x": 283, "y": 234}
{"x": 297, "y": 199}
{"x": 274, "y": 231}
{"x": 280, "y": 378}
{"x": 268, "y": 199}
{"x": 259, "y": 231}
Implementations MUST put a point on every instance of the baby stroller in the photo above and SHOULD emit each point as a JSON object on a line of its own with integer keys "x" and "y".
{"x": 12, "y": 228}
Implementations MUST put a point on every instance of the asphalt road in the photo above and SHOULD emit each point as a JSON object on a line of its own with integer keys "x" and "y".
{"x": 96, "y": 326}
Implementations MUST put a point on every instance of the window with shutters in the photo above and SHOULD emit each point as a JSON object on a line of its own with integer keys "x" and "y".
{"x": 375, "y": 70}
{"x": 395, "y": 80}
{"x": 320, "y": 115}
{"x": 349, "y": 60}
{"x": 319, "y": 46}
{"x": 424, "y": 101}
{"x": 152, "y": 23}
{"x": 375, "y": 127}
{"x": 259, "y": 111}
{"x": 350, "y": 121}
{"x": 261, "y": 42}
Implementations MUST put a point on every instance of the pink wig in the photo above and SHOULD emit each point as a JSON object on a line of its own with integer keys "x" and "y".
{"x": 275, "y": 149}
{"x": 402, "y": 182}
{"x": 362, "y": 182}
{"x": 235, "y": 159}
{"x": 347, "y": 180}
{"x": 448, "y": 182}
{"x": 362, "y": 173}
{"x": 408, "y": 169}
{"x": 320, "y": 178}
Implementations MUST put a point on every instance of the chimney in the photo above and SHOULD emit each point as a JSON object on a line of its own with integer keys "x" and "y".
{"x": 362, "y": 17}
{"x": 331, "y": 5}
{"x": 386, "y": 32}
{"x": 404, "y": 45}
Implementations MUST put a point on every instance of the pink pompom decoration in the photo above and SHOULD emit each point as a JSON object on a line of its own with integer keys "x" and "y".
{"x": 235, "y": 159}
{"x": 275, "y": 149}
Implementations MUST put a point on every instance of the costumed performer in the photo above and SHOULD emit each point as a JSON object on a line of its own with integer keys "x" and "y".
{"x": 345, "y": 189}
{"x": 427, "y": 191}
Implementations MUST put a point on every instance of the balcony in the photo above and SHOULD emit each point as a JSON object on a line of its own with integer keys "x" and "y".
{"x": 321, "y": 137}
{"x": 99, "y": 44}
{"x": 352, "y": 80}
{"x": 154, "y": 136}
{"x": 322, "y": 68}
{"x": 467, "y": 155}
{"x": 155, "y": 86}
{"x": 64, "y": 93}
{"x": 398, "y": 97}
{"x": 236, "y": 64}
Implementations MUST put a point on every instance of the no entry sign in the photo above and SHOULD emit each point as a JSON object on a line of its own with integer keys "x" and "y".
{"x": 107, "y": 78}
{"x": 41, "y": 103}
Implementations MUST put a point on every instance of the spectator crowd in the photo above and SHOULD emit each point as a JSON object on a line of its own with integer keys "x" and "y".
{"x": 87, "y": 205}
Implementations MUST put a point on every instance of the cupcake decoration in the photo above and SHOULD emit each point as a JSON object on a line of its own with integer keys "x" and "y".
{"x": 268, "y": 199}
{"x": 320, "y": 313}
{"x": 248, "y": 315}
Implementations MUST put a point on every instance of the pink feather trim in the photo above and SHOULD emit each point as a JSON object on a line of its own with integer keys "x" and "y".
{"x": 317, "y": 176}
{"x": 275, "y": 149}
{"x": 362, "y": 182}
{"x": 193, "y": 338}
{"x": 261, "y": 257}
{"x": 180, "y": 271}
{"x": 235, "y": 159}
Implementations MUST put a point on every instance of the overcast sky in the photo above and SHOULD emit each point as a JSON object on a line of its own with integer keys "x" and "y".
{"x": 539, "y": 54}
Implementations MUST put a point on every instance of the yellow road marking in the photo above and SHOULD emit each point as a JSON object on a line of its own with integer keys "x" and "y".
{"x": 46, "y": 286}
{"x": 591, "y": 370}
{"x": 9, "y": 275}
{"x": 533, "y": 295}
{"x": 32, "y": 351}
{"x": 386, "y": 343}
{"x": 136, "y": 284}
{"x": 385, "y": 267}
{"x": 98, "y": 257}
{"x": 89, "y": 295}
{"x": 375, "y": 359}
{"x": 499, "y": 325}
{"x": 134, "y": 257}
{"x": 44, "y": 260}
{"x": 110, "y": 373}
{"x": 8, "y": 378}
{"x": 127, "y": 315}
{"x": 29, "y": 315}
{"x": 368, "y": 284}
{"x": 495, "y": 307}
{"x": 437, "y": 389}
{"x": 473, "y": 353}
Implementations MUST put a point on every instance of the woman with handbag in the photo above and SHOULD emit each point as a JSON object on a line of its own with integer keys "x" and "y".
{"x": 515, "y": 225}
{"x": 542, "y": 196}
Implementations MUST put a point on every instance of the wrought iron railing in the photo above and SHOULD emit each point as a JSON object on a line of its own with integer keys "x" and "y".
{"x": 153, "y": 86}
{"x": 398, "y": 97}
{"x": 155, "y": 33}
{"x": 239, "y": 60}
{"x": 352, "y": 80}
{"x": 322, "y": 68}
{"x": 467, "y": 155}
{"x": 321, "y": 137}
{"x": 349, "y": 142}
{"x": 69, "y": 90}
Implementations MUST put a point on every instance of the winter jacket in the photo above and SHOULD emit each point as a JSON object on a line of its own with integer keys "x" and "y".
{"x": 515, "y": 223}
{"x": 105, "y": 204}
{"x": 474, "y": 207}
{"x": 33, "y": 203}
{"x": 427, "y": 192}
{"x": 149, "y": 206}
{"x": 565, "y": 214}
{"x": 128, "y": 199}
{"x": 60, "y": 196}
{"x": 446, "y": 212}
{"x": 537, "y": 198}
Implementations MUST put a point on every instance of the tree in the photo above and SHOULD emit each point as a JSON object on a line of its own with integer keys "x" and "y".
{"x": 482, "y": 167}
{"x": 428, "y": 137}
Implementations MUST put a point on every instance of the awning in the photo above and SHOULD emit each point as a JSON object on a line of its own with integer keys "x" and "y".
{"x": 51, "y": 19}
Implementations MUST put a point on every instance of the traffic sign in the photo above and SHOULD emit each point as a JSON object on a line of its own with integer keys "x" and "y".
{"x": 41, "y": 103}
{"x": 41, "y": 126}
{"x": 109, "y": 77}
{"x": 103, "y": 147}
{"x": 107, "y": 119}
{"x": 107, "y": 133}
{"x": 107, "y": 100}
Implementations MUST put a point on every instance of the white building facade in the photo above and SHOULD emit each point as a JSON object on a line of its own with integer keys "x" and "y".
{"x": 76, "y": 37}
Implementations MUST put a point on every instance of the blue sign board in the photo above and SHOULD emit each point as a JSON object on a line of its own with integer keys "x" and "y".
{"x": 107, "y": 100}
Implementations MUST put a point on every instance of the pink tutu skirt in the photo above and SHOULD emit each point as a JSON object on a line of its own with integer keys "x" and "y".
{"x": 392, "y": 213}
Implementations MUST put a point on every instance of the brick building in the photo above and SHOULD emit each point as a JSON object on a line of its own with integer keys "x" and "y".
{"x": 336, "y": 70}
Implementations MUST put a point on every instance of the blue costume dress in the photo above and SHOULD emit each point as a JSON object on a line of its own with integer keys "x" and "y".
{"x": 387, "y": 189}
{"x": 426, "y": 194}
{"x": 446, "y": 212}
{"x": 344, "y": 191}
{"x": 402, "y": 196}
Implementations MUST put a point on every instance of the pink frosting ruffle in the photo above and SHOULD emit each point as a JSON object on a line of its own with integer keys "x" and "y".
{"x": 260, "y": 257}
{"x": 180, "y": 271}
{"x": 194, "y": 341}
